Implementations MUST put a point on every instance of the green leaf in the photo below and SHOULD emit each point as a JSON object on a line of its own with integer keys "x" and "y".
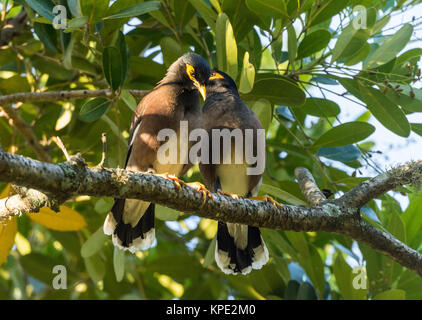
{"x": 124, "y": 55}
{"x": 390, "y": 48}
{"x": 345, "y": 134}
{"x": 165, "y": 213}
{"x": 94, "y": 243}
{"x": 277, "y": 89}
{"x": 247, "y": 77}
{"x": 210, "y": 255}
{"x": 413, "y": 220}
{"x": 39, "y": 266}
{"x": 350, "y": 41}
{"x": 112, "y": 65}
{"x": 326, "y": 10}
{"x": 94, "y": 109}
{"x": 263, "y": 110}
{"x": 77, "y": 22}
{"x": 226, "y": 46}
{"x": 44, "y": 8}
{"x": 306, "y": 292}
{"x": 343, "y": 154}
{"x": 385, "y": 111}
{"x": 171, "y": 50}
{"x": 95, "y": 10}
{"x": 119, "y": 263}
{"x": 137, "y": 10}
{"x": 393, "y": 294}
{"x": 281, "y": 194}
{"x": 267, "y": 7}
{"x": 404, "y": 98}
{"x": 206, "y": 12}
{"x": 408, "y": 55}
{"x": 396, "y": 227}
{"x": 95, "y": 267}
{"x": 292, "y": 290}
{"x": 345, "y": 279}
{"x": 320, "y": 107}
{"x": 128, "y": 99}
{"x": 417, "y": 128}
{"x": 313, "y": 43}
{"x": 291, "y": 44}
{"x": 75, "y": 7}
{"x": 47, "y": 35}
{"x": 104, "y": 205}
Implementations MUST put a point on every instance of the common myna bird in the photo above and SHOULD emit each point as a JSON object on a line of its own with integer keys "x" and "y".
{"x": 175, "y": 98}
{"x": 240, "y": 248}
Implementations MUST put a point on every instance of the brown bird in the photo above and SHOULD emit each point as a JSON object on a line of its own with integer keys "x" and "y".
{"x": 240, "y": 248}
{"x": 175, "y": 99}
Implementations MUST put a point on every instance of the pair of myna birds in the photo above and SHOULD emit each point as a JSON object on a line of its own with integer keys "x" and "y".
{"x": 239, "y": 248}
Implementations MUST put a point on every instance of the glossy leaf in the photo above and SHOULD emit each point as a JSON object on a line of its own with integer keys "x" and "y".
{"x": 390, "y": 48}
{"x": 313, "y": 43}
{"x": 112, "y": 66}
{"x": 94, "y": 243}
{"x": 247, "y": 76}
{"x": 263, "y": 110}
{"x": 119, "y": 263}
{"x": 345, "y": 134}
{"x": 277, "y": 90}
{"x": 44, "y": 8}
{"x": 136, "y": 10}
{"x": 393, "y": 294}
{"x": 343, "y": 154}
{"x": 94, "y": 109}
{"x": 385, "y": 111}
{"x": 320, "y": 107}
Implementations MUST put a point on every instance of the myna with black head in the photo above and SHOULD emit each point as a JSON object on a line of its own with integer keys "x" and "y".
{"x": 176, "y": 98}
{"x": 240, "y": 248}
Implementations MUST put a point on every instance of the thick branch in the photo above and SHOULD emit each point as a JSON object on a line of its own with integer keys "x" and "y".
{"x": 65, "y": 180}
{"x": 409, "y": 173}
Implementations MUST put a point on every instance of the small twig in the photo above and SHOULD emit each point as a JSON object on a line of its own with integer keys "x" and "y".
{"x": 103, "y": 156}
{"x": 26, "y": 130}
{"x": 309, "y": 187}
{"x": 60, "y": 144}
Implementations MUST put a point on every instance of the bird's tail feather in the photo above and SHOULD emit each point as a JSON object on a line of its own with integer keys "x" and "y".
{"x": 240, "y": 248}
{"x": 124, "y": 235}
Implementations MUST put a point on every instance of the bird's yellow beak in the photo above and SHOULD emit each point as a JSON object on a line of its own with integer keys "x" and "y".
{"x": 202, "y": 91}
{"x": 190, "y": 71}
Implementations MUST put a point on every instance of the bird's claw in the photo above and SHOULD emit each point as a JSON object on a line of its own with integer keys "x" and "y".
{"x": 231, "y": 195}
{"x": 200, "y": 187}
{"x": 266, "y": 198}
{"x": 177, "y": 182}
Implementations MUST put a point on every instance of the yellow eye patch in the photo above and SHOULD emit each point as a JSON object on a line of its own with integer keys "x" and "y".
{"x": 216, "y": 76}
{"x": 190, "y": 71}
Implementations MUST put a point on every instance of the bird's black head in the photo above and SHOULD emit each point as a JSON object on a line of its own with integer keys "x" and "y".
{"x": 220, "y": 82}
{"x": 191, "y": 70}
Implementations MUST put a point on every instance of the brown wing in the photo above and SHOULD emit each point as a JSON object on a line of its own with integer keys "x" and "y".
{"x": 156, "y": 111}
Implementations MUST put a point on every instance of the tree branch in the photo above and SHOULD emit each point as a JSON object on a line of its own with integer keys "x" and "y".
{"x": 65, "y": 180}
{"x": 51, "y": 96}
{"x": 308, "y": 186}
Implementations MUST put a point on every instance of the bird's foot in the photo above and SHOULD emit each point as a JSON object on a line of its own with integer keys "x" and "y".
{"x": 231, "y": 195}
{"x": 177, "y": 182}
{"x": 266, "y": 198}
{"x": 200, "y": 187}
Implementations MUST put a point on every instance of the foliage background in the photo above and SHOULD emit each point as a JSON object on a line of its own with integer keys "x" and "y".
{"x": 279, "y": 52}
